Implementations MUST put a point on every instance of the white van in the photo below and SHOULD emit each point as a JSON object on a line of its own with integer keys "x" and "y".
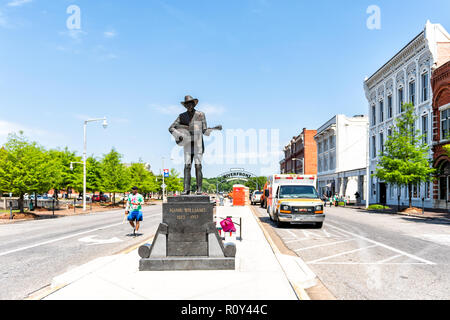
{"x": 293, "y": 199}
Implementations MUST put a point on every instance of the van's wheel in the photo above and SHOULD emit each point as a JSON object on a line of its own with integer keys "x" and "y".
{"x": 279, "y": 223}
{"x": 319, "y": 225}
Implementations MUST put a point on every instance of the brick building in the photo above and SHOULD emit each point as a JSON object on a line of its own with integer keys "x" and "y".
{"x": 302, "y": 147}
{"x": 440, "y": 83}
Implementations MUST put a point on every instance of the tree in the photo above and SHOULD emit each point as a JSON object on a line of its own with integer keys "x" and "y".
{"x": 26, "y": 167}
{"x": 114, "y": 175}
{"x": 174, "y": 182}
{"x": 256, "y": 183}
{"x": 142, "y": 178}
{"x": 68, "y": 178}
{"x": 405, "y": 161}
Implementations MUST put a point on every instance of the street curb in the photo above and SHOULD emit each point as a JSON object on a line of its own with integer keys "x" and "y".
{"x": 52, "y": 288}
{"x": 403, "y": 214}
{"x": 296, "y": 286}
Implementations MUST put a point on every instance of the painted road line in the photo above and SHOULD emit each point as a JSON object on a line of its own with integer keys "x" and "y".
{"x": 62, "y": 238}
{"x": 391, "y": 258}
{"x": 296, "y": 240}
{"x": 292, "y": 234}
{"x": 369, "y": 263}
{"x": 341, "y": 254}
{"x": 324, "y": 245}
{"x": 384, "y": 245}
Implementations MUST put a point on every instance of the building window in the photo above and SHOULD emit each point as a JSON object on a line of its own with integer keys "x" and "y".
{"x": 412, "y": 92}
{"x": 325, "y": 164}
{"x": 381, "y": 143}
{"x": 374, "y": 147}
{"x": 427, "y": 190}
{"x": 425, "y": 87}
{"x": 389, "y": 132}
{"x": 425, "y": 129}
{"x": 445, "y": 121}
{"x": 389, "y": 107}
{"x": 416, "y": 191}
{"x": 374, "y": 115}
{"x": 400, "y": 100}
{"x": 332, "y": 142}
{"x": 325, "y": 145}
{"x": 381, "y": 111}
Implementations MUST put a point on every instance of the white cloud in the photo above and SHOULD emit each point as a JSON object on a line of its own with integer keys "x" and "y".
{"x": 18, "y": 3}
{"x": 11, "y": 127}
{"x": 110, "y": 34}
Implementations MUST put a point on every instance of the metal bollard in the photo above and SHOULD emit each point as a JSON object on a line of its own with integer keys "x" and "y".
{"x": 10, "y": 211}
{"x": 53, "y": 206}
{"x": 74, "y": 204}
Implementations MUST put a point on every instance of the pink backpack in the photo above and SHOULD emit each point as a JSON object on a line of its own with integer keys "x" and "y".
{"x": 228, "y": 225}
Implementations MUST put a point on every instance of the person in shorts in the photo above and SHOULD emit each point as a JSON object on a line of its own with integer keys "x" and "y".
{"x": 134, "y": 209}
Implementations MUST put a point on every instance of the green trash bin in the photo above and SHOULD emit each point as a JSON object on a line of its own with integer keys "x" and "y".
{"x": 30, "y": 206}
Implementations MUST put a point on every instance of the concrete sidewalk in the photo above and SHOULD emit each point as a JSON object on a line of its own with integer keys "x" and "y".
{"x": 258, "y": 275}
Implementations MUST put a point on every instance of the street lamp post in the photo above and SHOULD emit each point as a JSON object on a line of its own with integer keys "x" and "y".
{"x": 105, "y": 125}
{"x": 303, "y": 164}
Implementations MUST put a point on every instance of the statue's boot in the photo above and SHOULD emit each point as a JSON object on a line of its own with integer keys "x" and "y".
{"x": 187, "y": 181}
{"x": 199, "y": 177}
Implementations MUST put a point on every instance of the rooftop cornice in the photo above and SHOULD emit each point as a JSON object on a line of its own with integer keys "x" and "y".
{"x": 415, "y": 45}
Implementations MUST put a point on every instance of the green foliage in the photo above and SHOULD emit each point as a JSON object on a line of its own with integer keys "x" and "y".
{"x": 174, "y": 182}
{"x": 378, "y": 207}
{"x": 25, "y": 167}
{"x": 405, "y": 161}
{"x": 142, "y": 178}
{"x": 67, "y": 178}
{"x": 256, "y": 183}
{"x": 114, "y": 175}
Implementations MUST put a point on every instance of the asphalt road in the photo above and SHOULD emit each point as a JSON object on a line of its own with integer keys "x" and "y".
{"x": 32, "y": 253}
{"x": 360, "y": 255}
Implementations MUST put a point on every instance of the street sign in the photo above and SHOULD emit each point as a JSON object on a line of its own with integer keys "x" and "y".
{"x": 166, "y": 173}
{"x": 163, "y": 186}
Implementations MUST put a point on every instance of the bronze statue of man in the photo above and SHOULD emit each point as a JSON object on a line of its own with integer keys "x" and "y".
{"x": 188, "y": 130}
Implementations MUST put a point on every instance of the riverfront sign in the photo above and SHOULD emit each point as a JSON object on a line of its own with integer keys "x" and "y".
{"x": 236, "y": 174}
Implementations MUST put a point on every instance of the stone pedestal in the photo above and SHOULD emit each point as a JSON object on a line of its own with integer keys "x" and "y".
{"x": 187, "y": 239}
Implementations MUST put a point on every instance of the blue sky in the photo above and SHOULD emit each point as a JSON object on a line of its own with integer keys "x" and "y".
{"x": 259, "y": 64}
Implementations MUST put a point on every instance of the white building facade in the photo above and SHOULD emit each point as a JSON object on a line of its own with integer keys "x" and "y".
{"x": 342, "y": 157}
{"x": 404, "y": 78}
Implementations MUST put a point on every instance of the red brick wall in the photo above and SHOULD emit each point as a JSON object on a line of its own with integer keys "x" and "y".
{"x": 310, "y": 152}
{"x": 440, "y": 83}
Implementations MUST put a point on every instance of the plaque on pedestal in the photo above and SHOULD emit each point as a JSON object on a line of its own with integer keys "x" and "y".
{"x": 187, "y": 239}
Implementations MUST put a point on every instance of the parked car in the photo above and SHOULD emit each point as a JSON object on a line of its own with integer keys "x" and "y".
{"x": 80, "y": 197}
{"x": 256, "y": 197}
{"x": 100, "y": 198}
